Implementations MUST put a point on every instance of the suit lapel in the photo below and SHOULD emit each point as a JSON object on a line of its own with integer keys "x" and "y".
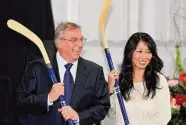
{"x": 81, "y": 76}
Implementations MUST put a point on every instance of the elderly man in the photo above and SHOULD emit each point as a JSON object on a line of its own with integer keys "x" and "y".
{"x": 86, "y": 94}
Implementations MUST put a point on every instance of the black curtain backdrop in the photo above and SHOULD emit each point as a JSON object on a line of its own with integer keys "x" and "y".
{"x": 15, "y": 49}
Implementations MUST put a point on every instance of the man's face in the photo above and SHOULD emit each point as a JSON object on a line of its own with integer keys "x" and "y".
{"x": 69, "y": 44}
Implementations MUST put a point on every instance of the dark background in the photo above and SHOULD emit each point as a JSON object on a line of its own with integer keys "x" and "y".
{"x": 16, "y": 50}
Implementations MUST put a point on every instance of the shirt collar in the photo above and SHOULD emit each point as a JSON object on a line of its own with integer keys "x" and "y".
{"x": 63, "y": 61}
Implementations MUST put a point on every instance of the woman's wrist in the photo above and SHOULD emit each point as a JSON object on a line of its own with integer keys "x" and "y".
{"x": 111, "y": 91}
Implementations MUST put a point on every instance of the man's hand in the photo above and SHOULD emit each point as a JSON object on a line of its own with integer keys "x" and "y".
{"x": 56, "y": 91}
{"x": 68, "y": 113}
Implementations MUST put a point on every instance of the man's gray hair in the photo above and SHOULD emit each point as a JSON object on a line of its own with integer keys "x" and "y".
{"x": 64, "y": 26}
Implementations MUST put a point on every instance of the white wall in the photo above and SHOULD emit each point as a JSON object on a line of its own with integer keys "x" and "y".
{"x": 159, "y": 18}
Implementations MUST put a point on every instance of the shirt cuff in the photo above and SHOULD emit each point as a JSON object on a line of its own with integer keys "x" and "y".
{"x": 76, "y": 122}
{"x": 49, "y": 103}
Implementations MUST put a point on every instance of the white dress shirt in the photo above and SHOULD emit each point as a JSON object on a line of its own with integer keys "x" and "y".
{"x": 140, "y": 111}
{"x": 61, "y": 66}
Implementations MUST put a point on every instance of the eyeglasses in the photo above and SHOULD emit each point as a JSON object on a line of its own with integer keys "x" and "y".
{"x": 75, "y": 40}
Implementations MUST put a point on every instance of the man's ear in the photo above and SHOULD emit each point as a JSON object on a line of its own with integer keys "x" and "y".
{"x": 57, "y": 43}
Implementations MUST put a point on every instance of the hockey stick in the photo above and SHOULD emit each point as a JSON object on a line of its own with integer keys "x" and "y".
{"x": 102, "y": 23}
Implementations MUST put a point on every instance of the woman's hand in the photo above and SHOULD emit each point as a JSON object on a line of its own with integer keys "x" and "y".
{"x": 112, "y": 76}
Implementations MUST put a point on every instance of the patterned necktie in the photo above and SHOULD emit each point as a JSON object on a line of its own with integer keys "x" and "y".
{"x": 68, "y": 83}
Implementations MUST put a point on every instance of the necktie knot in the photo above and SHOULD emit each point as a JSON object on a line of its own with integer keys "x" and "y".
{"x": 68, "y": 66}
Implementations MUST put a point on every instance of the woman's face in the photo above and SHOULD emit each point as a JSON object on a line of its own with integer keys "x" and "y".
{"x": 141, "y": 57}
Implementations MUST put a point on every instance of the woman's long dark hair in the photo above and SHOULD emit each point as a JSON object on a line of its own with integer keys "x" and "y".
{"x": 150, "y": 75}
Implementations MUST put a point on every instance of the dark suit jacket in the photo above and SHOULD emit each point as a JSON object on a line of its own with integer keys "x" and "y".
{"x": 90, "y": 96}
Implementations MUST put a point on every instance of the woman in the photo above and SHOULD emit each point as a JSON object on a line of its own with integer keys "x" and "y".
{"x": 143, "y": 87}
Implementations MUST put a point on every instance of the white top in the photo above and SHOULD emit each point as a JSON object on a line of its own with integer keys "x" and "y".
{"x": 140, "y": 111}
